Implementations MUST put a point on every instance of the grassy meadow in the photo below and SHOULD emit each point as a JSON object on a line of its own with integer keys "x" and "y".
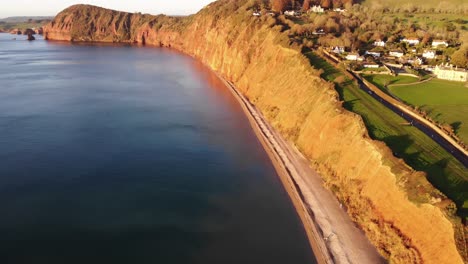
{"x": 446, "y": 102}
{"x": 8, "y": 26}
{"x": 407, "y": 142}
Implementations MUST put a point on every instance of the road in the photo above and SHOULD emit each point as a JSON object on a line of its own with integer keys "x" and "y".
{"x": 439, "y": 136}
{"x": 414, "y": 119}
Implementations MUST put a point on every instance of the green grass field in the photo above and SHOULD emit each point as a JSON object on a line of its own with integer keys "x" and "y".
{"x": 21, "y": 25}
{"x": 417, "y": 149}
{"x": 381, "y": 79}
{"x": 445, "y": 102}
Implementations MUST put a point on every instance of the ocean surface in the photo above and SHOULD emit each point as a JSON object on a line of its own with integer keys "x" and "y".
{"x": 119, "y": 154}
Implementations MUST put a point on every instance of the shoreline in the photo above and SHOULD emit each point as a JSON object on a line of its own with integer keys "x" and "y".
{"x": 325, "y": 240}
{"x": 319, "y": 249}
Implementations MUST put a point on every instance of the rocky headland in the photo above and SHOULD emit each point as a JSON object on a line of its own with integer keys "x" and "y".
{"x": 257, "y": 55}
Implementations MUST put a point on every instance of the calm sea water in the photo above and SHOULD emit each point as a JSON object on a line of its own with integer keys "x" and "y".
{"x": 118, "y": 154}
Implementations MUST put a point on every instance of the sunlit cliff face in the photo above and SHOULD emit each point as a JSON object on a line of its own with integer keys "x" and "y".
{"x": 256, "y": 55}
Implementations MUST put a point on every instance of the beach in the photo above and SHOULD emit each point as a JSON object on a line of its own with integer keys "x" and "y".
{"x": 332, "y": 235}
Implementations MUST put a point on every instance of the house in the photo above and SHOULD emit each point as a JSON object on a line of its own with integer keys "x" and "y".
{"x": 379, "y": 43}
{"x": 371, "y": 65}
{"x": 450, "y": 73}
{"x": 436, "y": 43}
{"x": 411, "y": 41}
{"x": 256, "y": 13}
{"x": 429, "y": 54}
{"x": 417, "y": 61}
{"x": 354, "y": 57}
{"x": 373, "y": 53}
{"x": 292, "y": 13}
{"x": 397, "y": 54}
{"x": 338, "y": 50}
{"x": 339, "y": 10}
{"x": 319, "y": 31}
{"x": 317, "y": 9}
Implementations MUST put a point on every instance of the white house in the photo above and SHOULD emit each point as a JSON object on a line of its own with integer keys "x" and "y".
{"x": 354, "y": 57}
{"x": 317, "y": 9}
{"x": 411, "y": 41}
{"x": 339, "y": 10}
{"x": 257, "y": 13}
{"x": 450, "y": 73}
{"x": 338, "y": 50}
{"x": 436, "y": 43}
{"x": 370, "y": 65}
{"x": 289, "y": 13}
{"x": 319, "y": 31}
{"x": 397, "y": 54}
{"x": 417, "y": 61}
{"x": 379, "y": 43}
{"x": 373, "y": 53}
{"x": 429, "y": 54}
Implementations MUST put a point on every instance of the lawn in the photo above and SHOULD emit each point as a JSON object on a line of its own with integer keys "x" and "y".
{"x": 416, "y": 148}
{"x": 446, "y": 102}
{"x": 20, "y": 25}
{"x": 381, "y": 79}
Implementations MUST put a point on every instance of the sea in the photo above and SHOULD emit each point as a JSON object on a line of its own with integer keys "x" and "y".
{"x": 116, "y": 153}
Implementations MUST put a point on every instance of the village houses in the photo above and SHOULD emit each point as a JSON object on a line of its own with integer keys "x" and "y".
{"x": 371, "y": 65}
{"x": 411, "y": 41}
{"x": 317, "y": 9}
{"x": 338, "y": 50}
{"x": 416, "y": 61}
{"x": 437, "y": 43}
{"x": 451, "y": 73}
{"x": 354, "y": 57}
{"x": 339, "y": 10}
{"x": 374, "y": 54}
{"x": 256, "y": 13}
{"x": 429, "y": 54}
{"x": 379, "y": 43}
{"x": 397, "y": 54}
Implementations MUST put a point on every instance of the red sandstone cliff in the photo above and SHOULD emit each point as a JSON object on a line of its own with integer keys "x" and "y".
{"x": 258, "y": 57}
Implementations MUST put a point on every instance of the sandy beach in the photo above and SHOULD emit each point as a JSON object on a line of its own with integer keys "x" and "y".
{"x": 333, "y": 236}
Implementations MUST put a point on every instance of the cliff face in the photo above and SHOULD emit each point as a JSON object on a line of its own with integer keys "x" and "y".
{"x": 273, "y": 74}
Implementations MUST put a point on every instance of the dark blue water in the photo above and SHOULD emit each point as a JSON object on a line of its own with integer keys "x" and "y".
{"x": 118, "y": 154}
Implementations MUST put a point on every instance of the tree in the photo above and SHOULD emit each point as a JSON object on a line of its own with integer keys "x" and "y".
{"x": 306, "y": 5}
{"x": 279, "y": 5}
{"x": 460, "y": 57}
{"x": 326, "y": 3}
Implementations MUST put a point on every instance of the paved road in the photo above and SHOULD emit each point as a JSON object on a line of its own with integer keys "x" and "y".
{"x": 437, "y": 136}
{"x": 414, "y": 119}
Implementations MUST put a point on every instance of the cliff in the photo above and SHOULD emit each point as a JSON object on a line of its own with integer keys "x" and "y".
{"x": 256, "y": 54}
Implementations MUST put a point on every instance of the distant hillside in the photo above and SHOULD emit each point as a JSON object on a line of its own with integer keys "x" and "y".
{"x": 23, "y": 22}
{"x": 19, "y": 19}
{"x": 436, "y": 6}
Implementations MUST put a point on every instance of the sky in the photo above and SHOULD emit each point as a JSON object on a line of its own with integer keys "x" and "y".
{"x": 10, "y": 8}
